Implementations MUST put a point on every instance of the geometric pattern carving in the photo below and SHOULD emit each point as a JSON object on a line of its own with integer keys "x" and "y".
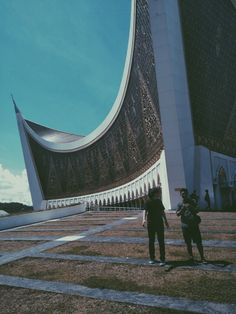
{"x": 209, "y": 34}
{"x": 230, "y": 132}
{"x": 151, "y": 120}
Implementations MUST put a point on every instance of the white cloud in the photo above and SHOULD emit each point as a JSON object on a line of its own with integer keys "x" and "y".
{"x": 14, "y": 188}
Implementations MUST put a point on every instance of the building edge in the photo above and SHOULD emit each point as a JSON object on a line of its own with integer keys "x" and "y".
{"x": 38, "y": 200}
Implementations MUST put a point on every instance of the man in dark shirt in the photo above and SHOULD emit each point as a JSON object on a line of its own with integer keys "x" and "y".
{"x": 154, "y": 214}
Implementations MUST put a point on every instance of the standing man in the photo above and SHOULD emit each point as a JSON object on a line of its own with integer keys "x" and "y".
{"x": 154, "y": 214}
{"x": 207, "y": 199}
{"x": 190, "y": 224}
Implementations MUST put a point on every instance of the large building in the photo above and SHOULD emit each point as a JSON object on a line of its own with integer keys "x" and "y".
{"x": 173, "y": 123}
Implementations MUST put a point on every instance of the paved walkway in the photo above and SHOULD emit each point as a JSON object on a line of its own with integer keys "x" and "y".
{"x": 218, "y": 267}
{"x": 179, "y": 230}
{"x": 176, "y": 242}
{"x": 37, "y": 251}
{"x": 84, "y": 228}
{"x": 85, "y": 236}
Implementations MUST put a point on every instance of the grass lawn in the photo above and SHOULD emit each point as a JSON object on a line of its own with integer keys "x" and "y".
{"x": 193, "y": 284}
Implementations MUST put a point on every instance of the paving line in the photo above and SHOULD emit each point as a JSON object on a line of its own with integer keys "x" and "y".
{"x": 51, "y": 230}
{"x": 203, "y": 218}
{"x": 150, "y": 300}
{"x": 174, "y": 230}
{"x": 135, "y": 261}
{"x": 174, "y": 242}
{"x": 134, "y": 229}
{"x": 29, "y": 238}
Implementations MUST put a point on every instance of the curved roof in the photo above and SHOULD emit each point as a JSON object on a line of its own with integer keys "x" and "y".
{"x": 51, "y": 135}
{"x": 58, "y": 141}
{"x": 123, "y": 147}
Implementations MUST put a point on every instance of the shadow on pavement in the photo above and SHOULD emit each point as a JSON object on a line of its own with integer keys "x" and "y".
{"x": 188, "y": 263}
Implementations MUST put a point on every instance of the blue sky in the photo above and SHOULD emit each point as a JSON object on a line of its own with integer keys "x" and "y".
{"x": 63, "y": 61}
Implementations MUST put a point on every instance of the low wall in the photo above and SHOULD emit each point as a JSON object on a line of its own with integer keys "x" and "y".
{"x": 26, "y": 219}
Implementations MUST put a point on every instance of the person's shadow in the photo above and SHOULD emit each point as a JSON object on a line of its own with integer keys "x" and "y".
{"x": 196, "y": 264}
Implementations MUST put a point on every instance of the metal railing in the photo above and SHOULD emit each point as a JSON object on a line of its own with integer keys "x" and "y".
{"x": 112, "y": 208}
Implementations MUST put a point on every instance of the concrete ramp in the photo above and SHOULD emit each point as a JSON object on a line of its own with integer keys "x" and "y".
{"x": 26, "y": 219}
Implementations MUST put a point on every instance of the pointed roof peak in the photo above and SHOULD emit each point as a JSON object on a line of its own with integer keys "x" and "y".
{"x": 15, "y": 106}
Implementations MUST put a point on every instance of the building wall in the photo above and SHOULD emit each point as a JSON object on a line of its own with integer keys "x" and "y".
{"x": 209, "y": 34}
{"x": 217, "y": 174}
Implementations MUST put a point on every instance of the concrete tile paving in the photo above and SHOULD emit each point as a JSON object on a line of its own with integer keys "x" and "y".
{"x": 99, "y": 222}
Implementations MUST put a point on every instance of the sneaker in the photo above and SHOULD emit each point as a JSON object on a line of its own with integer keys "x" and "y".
{"x": 162, "y": 263}
{"x": 203, "y": 261}
{"x": 152, "y": 261}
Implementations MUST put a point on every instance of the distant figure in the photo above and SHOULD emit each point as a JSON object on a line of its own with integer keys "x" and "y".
{"x": 154, "y": 214}
{"x": 207, "y": 199}
{"x": 195, "y": 197}
{"x": 190, "y": 224}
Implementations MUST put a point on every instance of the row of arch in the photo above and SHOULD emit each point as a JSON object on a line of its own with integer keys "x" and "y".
{"x": 135, "y": 193}
{"x": 224, "y": 189}
{"x": 129, "y": 198}
{"x": 132, "y": 194}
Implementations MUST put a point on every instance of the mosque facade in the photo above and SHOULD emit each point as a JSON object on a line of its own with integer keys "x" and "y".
{"x": 172, "y": 125}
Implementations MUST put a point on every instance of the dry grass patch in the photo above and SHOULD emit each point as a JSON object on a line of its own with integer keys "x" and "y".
{"x": 218, "y": 223}
{"x": 197, "y": 285}
{"x": 11, "y": 246}
{"x": 74, "y": 224}
{"x": 28, "y": 301}
{"x": 125, "y": 227}
{"x": 220, "y": 254}
{"x": 177, "y": 227}
{"x": 218, "y": 228}
{"x": 205, "y": 235}
{"x": 131, "y": 224}
{"x": 211, "y": 225}
{"x": 218, "y": 215}
{"x": 208, "y": 215}
{"x": 212, "y": 254}
{"x": 123, "y": 233}
{"x": 219, "y": 236}
{"x": 54, "y": 226}
{"x": 138, "y": 250}
{"x": 82, "y": 250}
{"x": 106, "y": 249}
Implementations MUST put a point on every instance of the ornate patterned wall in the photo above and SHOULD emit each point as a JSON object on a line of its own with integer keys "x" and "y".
{"x": 209, "y": 32}
{"x": 132, "y": 144}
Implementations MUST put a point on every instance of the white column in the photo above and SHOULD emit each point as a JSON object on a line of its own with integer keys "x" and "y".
{"x": 173, "y": 95}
